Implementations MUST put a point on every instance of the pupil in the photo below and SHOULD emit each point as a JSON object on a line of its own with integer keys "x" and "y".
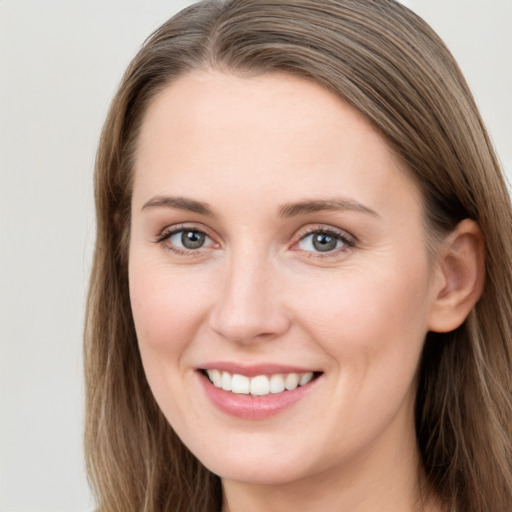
{"x": 323, "y": 242}
{"x": 192, "y": 239}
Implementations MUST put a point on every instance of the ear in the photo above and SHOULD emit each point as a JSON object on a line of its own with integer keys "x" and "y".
{"x": 461, "y": 271}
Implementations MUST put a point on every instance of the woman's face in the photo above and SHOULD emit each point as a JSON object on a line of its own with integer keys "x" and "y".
{"x": 278, "y": 245}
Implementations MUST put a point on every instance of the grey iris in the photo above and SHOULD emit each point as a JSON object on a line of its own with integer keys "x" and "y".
{"x": 324, "y": 242}
{"x": 192, "y": 239}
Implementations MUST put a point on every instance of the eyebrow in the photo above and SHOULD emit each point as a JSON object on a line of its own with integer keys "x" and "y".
{"x": 285, "y": 210}
{"x": 318, "y": 205}
{"x": 179, "y": 203}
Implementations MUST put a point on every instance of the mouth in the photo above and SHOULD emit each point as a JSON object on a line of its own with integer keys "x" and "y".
{"x": 258, "y": 385}
{"x": 256, "y": 392}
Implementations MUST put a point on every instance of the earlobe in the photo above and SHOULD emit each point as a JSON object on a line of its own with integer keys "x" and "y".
{"x": 462, "y": 269}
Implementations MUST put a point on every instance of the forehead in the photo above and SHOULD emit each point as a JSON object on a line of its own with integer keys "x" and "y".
{"x": 260, "y": 133}
{"x": 219, "y": 107}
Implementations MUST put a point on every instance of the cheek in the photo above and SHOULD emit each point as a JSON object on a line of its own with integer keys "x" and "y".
{"x": 374, "y": 318}
{"x": 367, "y": 303}
{"x": 167, "y": 306}
{"x": 167, "y": 310}
{"x": 372, "y": 325}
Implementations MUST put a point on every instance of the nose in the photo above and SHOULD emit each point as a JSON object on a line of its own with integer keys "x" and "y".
{"x": 250, "y": 306}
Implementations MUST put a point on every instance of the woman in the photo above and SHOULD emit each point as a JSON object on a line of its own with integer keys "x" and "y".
{"x": 301, "y": 293}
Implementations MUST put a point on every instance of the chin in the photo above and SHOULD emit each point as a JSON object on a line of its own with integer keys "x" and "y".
{"x": 271, "y": 472}
{"x": 257, "y": 466}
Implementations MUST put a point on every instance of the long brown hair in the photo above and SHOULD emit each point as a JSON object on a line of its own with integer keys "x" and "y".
{"x": 388, "y": 64}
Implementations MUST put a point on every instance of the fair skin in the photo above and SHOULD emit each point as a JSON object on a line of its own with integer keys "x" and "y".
{"x": 274, "y": 232}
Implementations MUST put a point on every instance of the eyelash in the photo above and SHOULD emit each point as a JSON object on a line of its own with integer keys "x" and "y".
{"x": 348, "y": 242}
{"x": 167, "y": 233}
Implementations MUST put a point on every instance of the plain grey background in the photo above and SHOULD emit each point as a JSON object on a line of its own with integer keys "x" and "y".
{"x": 60, "y": 62}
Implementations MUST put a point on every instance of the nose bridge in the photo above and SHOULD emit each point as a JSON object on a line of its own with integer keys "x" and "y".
{"x": 249, "y": 305}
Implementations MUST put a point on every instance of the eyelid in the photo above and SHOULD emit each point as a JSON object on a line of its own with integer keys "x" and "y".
{"x": 348, "y": 239}
{"x": 182, "y": 226}
{"x": 166, "y": 233}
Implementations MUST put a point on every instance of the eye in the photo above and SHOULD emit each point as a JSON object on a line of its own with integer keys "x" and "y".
{"x": 323, "y": 241}
{"x": 183, "y": 240}
{"x": 188, "y": 239}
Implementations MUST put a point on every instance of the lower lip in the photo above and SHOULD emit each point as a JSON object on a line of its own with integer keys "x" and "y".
{"x": 252, "y": 407}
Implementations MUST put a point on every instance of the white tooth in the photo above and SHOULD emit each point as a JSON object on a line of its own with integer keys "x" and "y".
{"x": 226, "y": 381}
{"x": 276, "y": 384}
{"x": 215, "y": 377}
{"x": 305, "y": 378}
{"x": 240, "y": 384}
{"x": 291, "y": 381}
{"x": 260, "y": 385}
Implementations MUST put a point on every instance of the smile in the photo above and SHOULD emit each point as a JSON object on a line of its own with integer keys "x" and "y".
{"x": 259, "y": 385}
{"x": 258, "y": 391}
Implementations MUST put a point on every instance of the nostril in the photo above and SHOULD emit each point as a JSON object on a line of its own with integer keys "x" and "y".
{"x": 256, "y": 327}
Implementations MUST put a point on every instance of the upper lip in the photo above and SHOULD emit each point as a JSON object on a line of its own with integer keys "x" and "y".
{"x": 252, "y": 370}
